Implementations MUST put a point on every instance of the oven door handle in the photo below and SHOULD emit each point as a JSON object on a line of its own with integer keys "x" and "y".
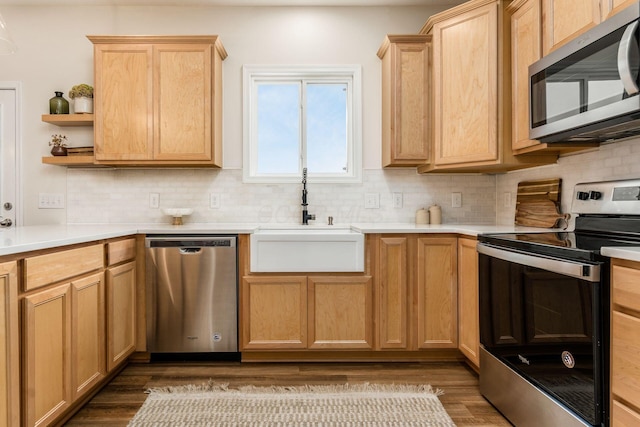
{"x": 588, "y": 272}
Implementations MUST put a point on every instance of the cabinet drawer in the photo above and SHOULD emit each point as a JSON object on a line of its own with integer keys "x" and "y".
{"x": 122, "y": 250}
{"x": 626, "y": 285}
{"x": 622, "y": 416}
{"x": 625, "y": 366}
{"x": 42, "y": 270}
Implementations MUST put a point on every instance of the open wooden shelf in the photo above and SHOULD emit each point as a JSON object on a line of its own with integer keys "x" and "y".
{"x": 68, "y": 119}
{"x": 86, "y": 161}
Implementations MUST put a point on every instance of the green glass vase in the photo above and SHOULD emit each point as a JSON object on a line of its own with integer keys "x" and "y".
{"x": 58, "y": 105}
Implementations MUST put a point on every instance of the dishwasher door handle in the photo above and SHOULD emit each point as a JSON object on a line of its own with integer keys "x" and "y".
{"x": 190, "y": 251}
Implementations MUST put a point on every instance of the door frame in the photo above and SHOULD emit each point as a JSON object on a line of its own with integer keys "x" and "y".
{"x": 16, "y": 86}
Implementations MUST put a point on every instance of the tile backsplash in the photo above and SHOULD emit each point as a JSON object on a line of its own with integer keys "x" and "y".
{"x": 122, "y": 196}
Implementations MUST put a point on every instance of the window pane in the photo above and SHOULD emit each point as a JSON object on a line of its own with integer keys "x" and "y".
{"x": 278, "y": 128}
{"x": 326, "y": 116}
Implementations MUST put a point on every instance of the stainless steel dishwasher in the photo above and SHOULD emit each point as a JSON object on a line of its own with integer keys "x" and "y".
{"x": 192, "y": 303}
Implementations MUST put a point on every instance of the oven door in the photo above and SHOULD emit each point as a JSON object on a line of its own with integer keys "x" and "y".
{"x": 542, "y": 317}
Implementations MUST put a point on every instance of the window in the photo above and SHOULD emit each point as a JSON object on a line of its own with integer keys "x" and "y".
{"x": 302, "y": 117}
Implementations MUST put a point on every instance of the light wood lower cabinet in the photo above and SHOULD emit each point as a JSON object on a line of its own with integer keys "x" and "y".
{"x": 87, "y": 333}
{"x": 468, "y": 304}
{"x": 436, "y": 297}
{"x": 47, "y": 355}
{"x": 393, "y": 290}
{"x": 274, "y": 312}
{"x": 9, "y": 346}
{"x": 625, "y": 343}
{"x": 340, "y": 312}
{"x": 121, "y": 313}
{"x": 300, "y": 312}
{"x": 416, "y": 292}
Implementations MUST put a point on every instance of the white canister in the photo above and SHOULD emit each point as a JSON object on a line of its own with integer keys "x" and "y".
{"x": 422, "y": 216}
{"x": 435, "y": 214}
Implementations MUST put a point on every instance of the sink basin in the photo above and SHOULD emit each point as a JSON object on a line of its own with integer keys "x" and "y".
{"x": 307, "y": 250}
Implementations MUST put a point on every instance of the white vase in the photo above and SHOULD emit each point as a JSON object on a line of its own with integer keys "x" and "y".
{"x": 82, "y": 105}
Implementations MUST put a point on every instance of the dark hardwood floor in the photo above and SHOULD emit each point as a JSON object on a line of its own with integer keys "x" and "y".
{"x": 117, "y": 403}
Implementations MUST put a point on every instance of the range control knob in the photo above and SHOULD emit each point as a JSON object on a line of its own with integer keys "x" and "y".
{"x": 583, "y": 195}
{"x": 595, "y": 195}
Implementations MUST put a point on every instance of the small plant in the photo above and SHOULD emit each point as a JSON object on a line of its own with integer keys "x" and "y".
{"x": 81, "y": 90}
{"x": 58, "y": 140}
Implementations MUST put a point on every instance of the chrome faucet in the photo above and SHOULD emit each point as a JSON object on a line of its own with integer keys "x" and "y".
{"x": 306, "y": 216}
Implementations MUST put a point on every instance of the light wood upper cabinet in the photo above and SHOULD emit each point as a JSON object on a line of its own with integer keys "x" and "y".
{"x": 158, "y": 100}
{"x": 340, "y": 312}
{"x": 472, "y": 91}
{"x": 121, "y": 313}
{"x": 625, "y": 343}
{"x": 564, "y": 20}
{"x": 611, "y": 7}
{"x": 468, "y": 303}
{"x": 9, "y": 346}
{"x": 405, "y": 100}
{"x": 437, "y": 293}
{"x": 526, "y": 48}
{"x": 273, "y": 312}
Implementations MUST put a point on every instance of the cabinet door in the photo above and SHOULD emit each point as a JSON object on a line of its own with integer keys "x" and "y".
{"x": 465, "y": 67}
{"x": 611, "y": 7}
{"x": 393, "y": 292}
{"x": 47, "y": 339}
{"x": 340, "y": 312}
{"x": 9, "y": 346}
{"x": 468, "y": 305}
{"x": 564, "y": 20}
{"x": 405, "y": 101}
{"x": 182, "y": 102}
{"x": 121, "y": 313}
{"x": 88, "y": 333}
{"x": 123, "y": 103}
{"x": 526, "y": 48}
{"x": 274, "y": 312}
{"x": 437, "y": 296}
{"x": 625, "y": 347}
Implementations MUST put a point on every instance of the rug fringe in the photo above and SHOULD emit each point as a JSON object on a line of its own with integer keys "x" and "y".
{"x": 330, "y": 388}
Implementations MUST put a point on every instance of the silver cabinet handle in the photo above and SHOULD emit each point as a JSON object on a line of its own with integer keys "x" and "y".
{"x": 628, "y": 45}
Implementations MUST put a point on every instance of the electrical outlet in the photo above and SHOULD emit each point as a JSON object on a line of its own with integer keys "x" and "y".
{"x": 50, "y": 201}
{"x": 397, "y": 200}
{"x": 456, "y": 200}
{"x": 154, "y": 200}
{"x": 214, "y": 201}
{"x": 506, "y": 200}
{"x": 372, "y": 201}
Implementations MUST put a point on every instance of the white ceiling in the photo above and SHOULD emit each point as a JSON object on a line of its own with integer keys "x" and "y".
{"x": 230, "y": 2}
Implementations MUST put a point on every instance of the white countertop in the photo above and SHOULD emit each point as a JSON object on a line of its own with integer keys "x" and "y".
{"x": 629, "y": 253}
{"x": 30, "y": 238}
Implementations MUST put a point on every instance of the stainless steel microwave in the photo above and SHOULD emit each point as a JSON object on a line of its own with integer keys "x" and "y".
{"x": 589, "y": 90}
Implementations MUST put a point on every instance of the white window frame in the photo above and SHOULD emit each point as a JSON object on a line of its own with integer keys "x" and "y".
{"x": 349, "y": 74}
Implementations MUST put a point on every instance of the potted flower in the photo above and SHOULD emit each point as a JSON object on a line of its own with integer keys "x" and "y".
{"x": 82, "y": 96}
{"x": 59, "y": 144}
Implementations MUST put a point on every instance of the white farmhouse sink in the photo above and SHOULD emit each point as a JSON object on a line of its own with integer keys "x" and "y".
{"x": 307, "y": 249}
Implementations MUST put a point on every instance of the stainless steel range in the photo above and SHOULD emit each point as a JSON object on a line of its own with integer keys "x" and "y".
{"x": 544, "y": 311}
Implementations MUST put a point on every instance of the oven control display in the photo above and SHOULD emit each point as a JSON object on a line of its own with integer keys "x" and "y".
{"x": 622, "y": 194}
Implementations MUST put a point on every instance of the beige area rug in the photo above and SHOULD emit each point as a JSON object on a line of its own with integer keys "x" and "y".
{"x": 320, "y": 405}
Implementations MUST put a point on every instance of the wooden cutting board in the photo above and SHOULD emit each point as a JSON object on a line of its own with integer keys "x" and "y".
{"x": 538, "y": 204}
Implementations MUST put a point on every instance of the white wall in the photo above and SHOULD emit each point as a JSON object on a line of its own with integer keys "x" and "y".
{"x": 54, "y": 54}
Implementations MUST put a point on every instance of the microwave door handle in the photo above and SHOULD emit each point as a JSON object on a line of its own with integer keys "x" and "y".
{"x": 627, "y": 43}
